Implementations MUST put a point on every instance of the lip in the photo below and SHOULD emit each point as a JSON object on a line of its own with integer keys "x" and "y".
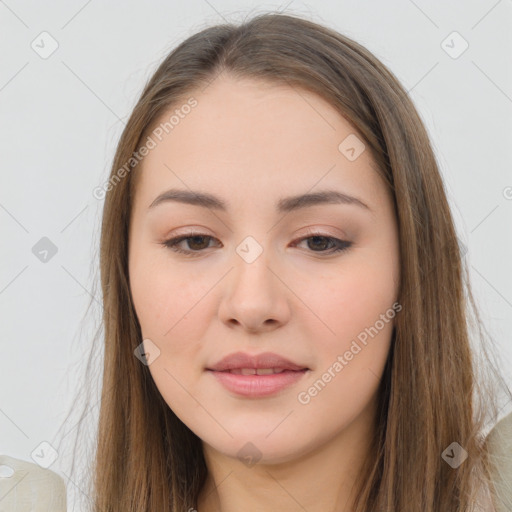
{"x": 256, "y": 386}
{"x": 264, "y": 360}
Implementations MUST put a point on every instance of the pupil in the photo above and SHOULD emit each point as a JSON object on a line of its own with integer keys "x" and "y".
{"x": 316, "y": 238}
{"x": 195, "y": 239}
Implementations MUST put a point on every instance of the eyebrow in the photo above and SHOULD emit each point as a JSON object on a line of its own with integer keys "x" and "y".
{"x": 284, "y": 205}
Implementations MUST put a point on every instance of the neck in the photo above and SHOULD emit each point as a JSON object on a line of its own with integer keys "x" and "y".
{"x": 322, "y": 477}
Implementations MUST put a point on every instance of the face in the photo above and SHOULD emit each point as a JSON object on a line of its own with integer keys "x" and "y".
{"x": 313, "y": 281}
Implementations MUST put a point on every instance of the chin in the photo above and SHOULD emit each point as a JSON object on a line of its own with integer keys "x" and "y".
{"x": 253, "y": 446}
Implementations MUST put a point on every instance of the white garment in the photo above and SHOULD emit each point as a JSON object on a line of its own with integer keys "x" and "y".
{"x": 500, "y": 444}
{"x": 30, "y": 488}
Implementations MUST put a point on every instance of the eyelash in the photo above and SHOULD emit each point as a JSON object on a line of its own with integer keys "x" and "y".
{"x": 172, "y": 243}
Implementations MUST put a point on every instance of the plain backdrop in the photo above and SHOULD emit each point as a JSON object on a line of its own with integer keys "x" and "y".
{"x": 62, "y": 114}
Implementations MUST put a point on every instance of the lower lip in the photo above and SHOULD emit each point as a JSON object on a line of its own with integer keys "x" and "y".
{"x": 256, "y": 386}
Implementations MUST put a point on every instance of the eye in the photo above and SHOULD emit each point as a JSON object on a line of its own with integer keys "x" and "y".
{"x": 194, "y": 240}
{"x": 197, "y": 242}
{"x": 321, "y": 241}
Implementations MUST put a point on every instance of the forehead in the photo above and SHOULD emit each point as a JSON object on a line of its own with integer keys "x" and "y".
{"x": 255, "y": 140}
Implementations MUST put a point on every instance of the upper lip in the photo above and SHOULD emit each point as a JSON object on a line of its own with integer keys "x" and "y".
{"x": 264, "y": 360}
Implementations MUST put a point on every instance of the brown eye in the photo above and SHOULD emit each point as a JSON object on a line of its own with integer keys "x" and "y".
{"x": 319, "y": 242}
{"x": 325, "y": 244}
{"x": 196, "y": 243}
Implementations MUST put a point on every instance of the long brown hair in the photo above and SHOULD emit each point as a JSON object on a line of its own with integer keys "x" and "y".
{"x": 434, "y": 390}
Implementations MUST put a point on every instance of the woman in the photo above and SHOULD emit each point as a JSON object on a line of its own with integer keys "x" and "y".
{"x": 285, "y": 301}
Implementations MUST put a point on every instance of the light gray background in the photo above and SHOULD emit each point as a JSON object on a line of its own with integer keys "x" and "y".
{"x": 62, "y": 116}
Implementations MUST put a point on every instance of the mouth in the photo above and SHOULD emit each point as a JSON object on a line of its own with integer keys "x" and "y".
{"x": 256, "y": 375}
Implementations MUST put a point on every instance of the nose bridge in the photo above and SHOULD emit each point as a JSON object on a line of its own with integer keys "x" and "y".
{"x": 254, "y": 295}
{"x": 252, "y": 264}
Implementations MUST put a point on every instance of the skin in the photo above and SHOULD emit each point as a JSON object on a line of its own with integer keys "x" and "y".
{"x": 251, "y": 143}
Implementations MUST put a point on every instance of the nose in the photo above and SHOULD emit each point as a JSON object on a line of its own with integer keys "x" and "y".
{"x": 255, "y": 297}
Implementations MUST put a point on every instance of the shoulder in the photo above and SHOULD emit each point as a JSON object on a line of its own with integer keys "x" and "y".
{"x": 37, "y": 488}
{"x": 499, "y": 441}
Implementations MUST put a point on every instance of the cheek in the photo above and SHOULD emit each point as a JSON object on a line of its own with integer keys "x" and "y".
{"x": 173, "y": 316}
{"x": 349, "y": 366}
{"x": 357, "y": 317}
{"x": 351, "y": 300}
{"x": 165, "y": 299}
{"x": 175, "y": 310}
